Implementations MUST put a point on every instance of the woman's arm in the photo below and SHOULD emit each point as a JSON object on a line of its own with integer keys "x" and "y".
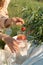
{"x": 13, "y": 21}
{"x": 7, "y": 22}
{"x": 12, "y": 43}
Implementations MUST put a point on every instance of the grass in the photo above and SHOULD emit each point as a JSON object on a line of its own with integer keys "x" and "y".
{"x": 16, "y": 9}
{"x": 16, "y": 6}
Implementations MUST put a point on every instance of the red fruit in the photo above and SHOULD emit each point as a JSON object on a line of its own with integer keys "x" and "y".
{"x": 23, "y": 28}
{"x": 21, "y": 37}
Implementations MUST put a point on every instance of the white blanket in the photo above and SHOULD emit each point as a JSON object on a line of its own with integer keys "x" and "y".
{"x": 32, "y": 56}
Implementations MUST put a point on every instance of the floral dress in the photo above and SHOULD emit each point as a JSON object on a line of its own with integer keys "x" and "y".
{"x": 4, "y": 16}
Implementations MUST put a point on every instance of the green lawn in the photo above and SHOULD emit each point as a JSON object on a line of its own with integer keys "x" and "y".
{"x": 22, "y": 8}
{"x": 16, "y": 6}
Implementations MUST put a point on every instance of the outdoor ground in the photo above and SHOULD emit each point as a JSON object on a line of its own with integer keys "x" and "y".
{"x": 16, "y": 6}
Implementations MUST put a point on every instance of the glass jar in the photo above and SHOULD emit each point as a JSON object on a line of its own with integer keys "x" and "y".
{"x": 23, "y": 45}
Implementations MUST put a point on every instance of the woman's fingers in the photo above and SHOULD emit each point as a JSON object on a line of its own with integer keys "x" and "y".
{"x": 18, "y": 21}
{"x": 15, "y": 43}
{"x": 14, "y": 19}
{"x": 16, "y": 49}
{"x": 15, "y": 46}
{"x": 12, "y": 43}
{"x": 11, "y": 48}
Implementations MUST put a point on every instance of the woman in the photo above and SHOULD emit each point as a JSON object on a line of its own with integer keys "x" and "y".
{"x": 6, "y": 22}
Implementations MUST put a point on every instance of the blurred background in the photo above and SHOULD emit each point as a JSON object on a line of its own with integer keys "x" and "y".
{"x": 32, "y": 13}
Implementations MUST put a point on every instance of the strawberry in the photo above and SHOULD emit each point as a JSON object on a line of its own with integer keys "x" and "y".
{"x": 21, "y": 37}
{"x": 23, "y": 28}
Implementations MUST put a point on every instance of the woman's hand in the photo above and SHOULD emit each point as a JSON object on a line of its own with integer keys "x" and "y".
{"x": 13, "y": 21}
{"x": 18, "y": 21}
{"x": 12, "y": 43}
